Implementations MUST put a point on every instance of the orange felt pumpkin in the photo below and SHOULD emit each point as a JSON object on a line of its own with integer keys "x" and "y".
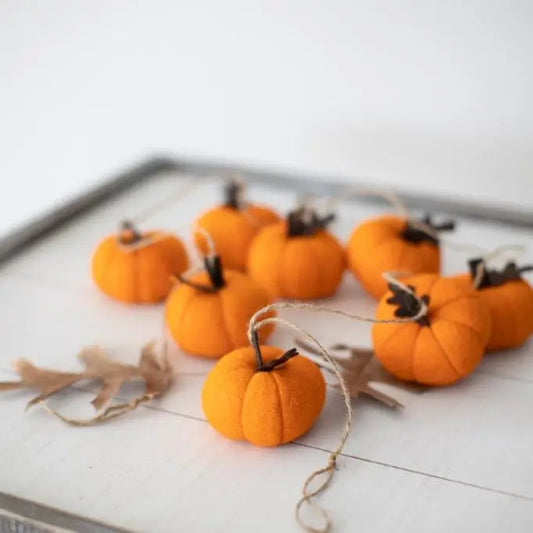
{"x": 232, "y": 227}
{"x": 442, "y": 347}
{"x": 263, "y": 396}
{"x": 393, "y": 243}
{"x": 208, "y": 314}
{"x": 298, "y": 258}
{"x": 136, "y": 267}
{"x": 509, "y": 299}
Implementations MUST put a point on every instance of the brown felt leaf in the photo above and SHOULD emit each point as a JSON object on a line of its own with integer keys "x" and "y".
{"x": 155, "y": 373}
{"x": 360, "y": 370}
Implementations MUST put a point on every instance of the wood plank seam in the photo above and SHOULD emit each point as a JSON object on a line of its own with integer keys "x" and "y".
{"x": 327, "y": 451}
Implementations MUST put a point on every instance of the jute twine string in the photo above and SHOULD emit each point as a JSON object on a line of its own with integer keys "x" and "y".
{"x": 169, "y": 201}
{"x": 395, "y": 202}
{"x": 147, "y": 240}
{"x": 188, "y": 188}
{"x": 211, "y": 252}
{"x": 402, "y": 210}
{"x": 359, "y": 192}
{"x": 211, "y": 248}
{"x": 308, "y": 204}
{"x": 399, "y": 206}
{"x": 244, "y": 204}
{"x": 256, "y": 323}
{"x": 497, "y": 252}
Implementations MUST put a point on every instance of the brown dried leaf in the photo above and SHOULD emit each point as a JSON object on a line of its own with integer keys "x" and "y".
{"x": 157, "y": 374}
{"x": 98, "y": 363}
{"x": 109, "y": 388}
{"x": 112, "y": 374}
{"x": 98, "y": 366}
{"x": 360, "y": 370}
{"x": 48, "y": 382}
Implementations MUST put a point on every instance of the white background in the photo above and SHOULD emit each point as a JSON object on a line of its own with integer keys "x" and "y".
{"x": 421, "y": 94}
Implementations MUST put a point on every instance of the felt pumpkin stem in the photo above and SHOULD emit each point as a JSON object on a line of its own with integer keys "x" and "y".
{"x": 484, "y": 277}
{"x": 128, "y": 233}
{"x": 417, "y": 231}
{"x": 233, "y": 194}
{"x": 408, "y": 304}
{"x": 267, "y": 367}
{"x": 213, "y": 267}
{"x": 304, "y": 221}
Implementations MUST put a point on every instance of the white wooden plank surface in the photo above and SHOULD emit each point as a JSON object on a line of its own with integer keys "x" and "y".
{"x": 454, "y": 459}
{"x": 176, "y": 474}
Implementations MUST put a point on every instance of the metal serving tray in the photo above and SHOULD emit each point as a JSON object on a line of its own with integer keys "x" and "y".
{"x": 24, "y": 516}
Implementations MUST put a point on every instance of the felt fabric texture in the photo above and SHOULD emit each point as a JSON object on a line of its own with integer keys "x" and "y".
{"x": 446, "y": 350}
{"x": 264, "y": 408}
{"x": 303, "y": 267}
{"x": 377, "y": 246}
{"x": 232, "y": 231}
{"x": 142, "y": 275}
{"x": 213, "y": 324}
{"x": 511, "y": 309}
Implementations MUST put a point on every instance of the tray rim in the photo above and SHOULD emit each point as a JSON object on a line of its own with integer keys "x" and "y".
{"x": 43, "y": 224}
{"x": 32, "y": 516}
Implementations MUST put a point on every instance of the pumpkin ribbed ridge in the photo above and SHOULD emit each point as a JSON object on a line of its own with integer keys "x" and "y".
{"x": 443, "y": 351}
{"x": 210, "y": 324}
{"x": 141, "y": 274}
{"x": 266, "y": 408}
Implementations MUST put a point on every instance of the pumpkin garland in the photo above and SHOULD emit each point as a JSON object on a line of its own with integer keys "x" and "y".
{"x": 508, "y": 298}
{"x": 394, "y": 243}
{"x": 135, "y": 267}
{"x": 233, "y": 225}
{"x": 428, "y": 330}
{"x": 298, "y": 258}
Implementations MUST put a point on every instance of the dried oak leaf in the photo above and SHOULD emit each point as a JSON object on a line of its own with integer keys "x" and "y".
{"x": 156, "y": 374}
{"x": 359, "y": 371}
